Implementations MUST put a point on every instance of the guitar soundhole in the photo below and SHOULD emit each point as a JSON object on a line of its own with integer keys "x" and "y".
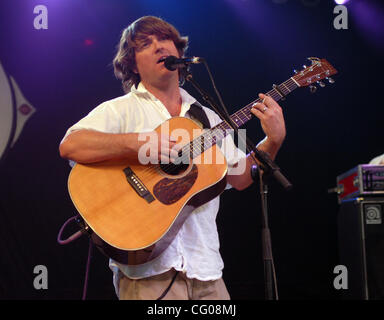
{"x": 174, "y": 169}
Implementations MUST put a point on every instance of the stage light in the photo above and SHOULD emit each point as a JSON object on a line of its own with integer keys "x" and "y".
{"x": 88, "y": 42}
{"x": 341, "y": 1}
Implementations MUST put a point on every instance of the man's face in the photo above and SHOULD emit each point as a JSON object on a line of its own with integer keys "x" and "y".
{"x": 148, "y": 53}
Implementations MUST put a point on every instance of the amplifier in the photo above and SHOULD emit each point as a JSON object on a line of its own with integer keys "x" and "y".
{"x": 362, "y": 180}
{"x": 360, "y": 231}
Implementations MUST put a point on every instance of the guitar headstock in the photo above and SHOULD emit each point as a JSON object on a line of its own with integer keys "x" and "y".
{"x": 318, "y": 70}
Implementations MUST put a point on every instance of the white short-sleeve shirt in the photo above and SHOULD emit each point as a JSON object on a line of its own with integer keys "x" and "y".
{"x": 195, "y": 249}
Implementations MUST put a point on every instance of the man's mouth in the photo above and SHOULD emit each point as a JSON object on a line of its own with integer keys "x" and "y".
{"x": 162, "y": 59}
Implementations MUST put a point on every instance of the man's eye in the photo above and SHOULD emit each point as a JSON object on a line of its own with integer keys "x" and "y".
{"x": 143, "y": 45}
{"x": 163, "y": 38}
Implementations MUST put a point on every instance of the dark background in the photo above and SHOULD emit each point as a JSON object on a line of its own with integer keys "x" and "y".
{"x": 249, "y": 45}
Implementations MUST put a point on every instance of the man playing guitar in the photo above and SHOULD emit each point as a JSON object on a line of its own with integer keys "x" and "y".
{"x": 192, "y": 261}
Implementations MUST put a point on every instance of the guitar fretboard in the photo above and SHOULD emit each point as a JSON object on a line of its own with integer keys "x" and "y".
{"x": 239, "y": 118}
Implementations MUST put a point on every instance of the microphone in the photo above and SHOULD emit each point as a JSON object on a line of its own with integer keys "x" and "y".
{"x": 172, "y": 63}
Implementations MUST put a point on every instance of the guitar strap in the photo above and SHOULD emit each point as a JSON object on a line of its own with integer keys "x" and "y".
{"x": 196, "y": 112}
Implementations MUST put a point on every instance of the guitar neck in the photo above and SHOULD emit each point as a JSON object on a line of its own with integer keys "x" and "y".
{"x": 239, "y": 118}
{"x": 244, "y": 115}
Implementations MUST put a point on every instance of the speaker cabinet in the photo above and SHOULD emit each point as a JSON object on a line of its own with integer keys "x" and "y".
{"x": 361, "y": 247}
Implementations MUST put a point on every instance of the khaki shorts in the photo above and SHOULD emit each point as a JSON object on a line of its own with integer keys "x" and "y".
{"x": 182, "y": 288}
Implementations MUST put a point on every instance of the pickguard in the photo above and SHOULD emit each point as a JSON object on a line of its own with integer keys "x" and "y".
{"x": 169, "y": 191}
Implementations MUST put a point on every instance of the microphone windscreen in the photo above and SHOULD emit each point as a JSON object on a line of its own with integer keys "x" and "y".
{"x": 169, "y": 63}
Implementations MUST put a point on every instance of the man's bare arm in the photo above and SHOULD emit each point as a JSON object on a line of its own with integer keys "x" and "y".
{"x": 88, "y": 146}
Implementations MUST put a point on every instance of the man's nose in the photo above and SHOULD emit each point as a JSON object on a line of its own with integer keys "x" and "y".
{"x": 158, "y": 45}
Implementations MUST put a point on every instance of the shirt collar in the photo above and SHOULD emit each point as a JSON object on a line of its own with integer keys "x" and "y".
{"x": 186, "y": 98}
{"x": 141, "y": 90}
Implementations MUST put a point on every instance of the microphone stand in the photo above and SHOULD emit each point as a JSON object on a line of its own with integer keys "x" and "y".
{"x": 269, "y": 268}
{"x": 268, "y": 168}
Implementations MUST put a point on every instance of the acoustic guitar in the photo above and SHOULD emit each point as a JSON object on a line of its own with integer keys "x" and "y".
{"x": 134, "y": 211}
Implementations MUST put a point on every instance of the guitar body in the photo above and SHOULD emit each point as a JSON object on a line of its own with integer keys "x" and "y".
{"x": 133, "y": 229}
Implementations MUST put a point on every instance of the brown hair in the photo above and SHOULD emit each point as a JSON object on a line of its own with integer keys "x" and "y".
{"x": 124, "y": 62}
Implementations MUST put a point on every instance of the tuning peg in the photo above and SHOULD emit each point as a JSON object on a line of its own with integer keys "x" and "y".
{"x": 312, "y": 88}
{"x": 330, "y": 80}
{"x": 304, "y": 66}
{"x": 313, "y": 59}
{"x": 295, "y": 71}
{"x": 321, "y": 84}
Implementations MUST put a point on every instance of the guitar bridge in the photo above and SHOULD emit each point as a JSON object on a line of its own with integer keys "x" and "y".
{"x": 138, "y": 185}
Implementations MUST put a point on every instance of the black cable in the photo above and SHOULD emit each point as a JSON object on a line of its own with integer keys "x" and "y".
{"x": 87, "y": 269}
{"x": 223, "y": 107}
{"x": 169, "y": 287}
{"x": 72, "y": 238}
